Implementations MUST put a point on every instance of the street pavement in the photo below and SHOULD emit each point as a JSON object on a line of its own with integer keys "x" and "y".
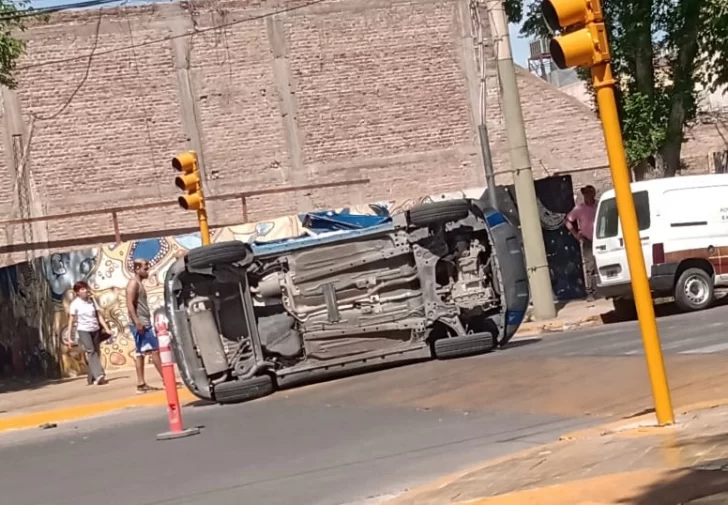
{"x": 370, "y": 435}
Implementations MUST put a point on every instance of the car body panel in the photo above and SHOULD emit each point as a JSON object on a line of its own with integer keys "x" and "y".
{"x": 513, "y": 272}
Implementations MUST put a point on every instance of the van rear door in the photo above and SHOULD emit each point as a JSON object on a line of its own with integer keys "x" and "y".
{"x": 609, "y": 251}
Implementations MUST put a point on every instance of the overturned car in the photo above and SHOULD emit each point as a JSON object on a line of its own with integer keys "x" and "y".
{"x": 442, "y": 280}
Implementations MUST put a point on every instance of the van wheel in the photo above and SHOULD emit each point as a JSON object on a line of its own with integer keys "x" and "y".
{"x": 694, "y": 290}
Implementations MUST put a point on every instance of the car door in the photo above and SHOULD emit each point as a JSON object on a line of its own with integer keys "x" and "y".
{"x": 609, "y": 250}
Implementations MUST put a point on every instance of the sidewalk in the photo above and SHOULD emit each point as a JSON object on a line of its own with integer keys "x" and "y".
{"x": 569, "y": 316}
{"x": 632, "y": 462}
{"x": 28, "y": 404}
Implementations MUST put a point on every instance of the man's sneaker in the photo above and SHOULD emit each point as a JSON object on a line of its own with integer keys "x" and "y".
{"x": 101, "y": 381}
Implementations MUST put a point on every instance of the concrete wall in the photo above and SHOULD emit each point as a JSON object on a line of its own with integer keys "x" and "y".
{"x": 384, "y": 90}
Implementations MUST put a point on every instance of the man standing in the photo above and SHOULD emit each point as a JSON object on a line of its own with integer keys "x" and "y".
{"x": 140, "y": 320}
{"x": 584, "y": 215}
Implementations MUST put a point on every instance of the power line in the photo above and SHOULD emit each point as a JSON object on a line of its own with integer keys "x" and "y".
{"x": 73, "y": 94}
{"x": 172, "y": 37}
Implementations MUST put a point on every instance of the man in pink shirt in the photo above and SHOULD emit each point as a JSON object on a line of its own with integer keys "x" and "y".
{"x": 583, "y": 216}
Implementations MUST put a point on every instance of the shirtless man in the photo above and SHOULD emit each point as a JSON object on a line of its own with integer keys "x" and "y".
{"x": 140, "y": 321}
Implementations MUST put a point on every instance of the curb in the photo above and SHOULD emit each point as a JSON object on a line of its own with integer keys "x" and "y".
{"x": 536, "y": 328}
{"x": 638, "y": 422}
{"x": 622, "y": 425}
{"x": 88, "y": 410}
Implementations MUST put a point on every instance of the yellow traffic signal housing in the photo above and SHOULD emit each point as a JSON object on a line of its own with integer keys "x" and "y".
{"x": 193, "y": 201}
{"x": 185, "y": 162}
{"x": 584, "y": 39}
{"x": 189, "y": 181}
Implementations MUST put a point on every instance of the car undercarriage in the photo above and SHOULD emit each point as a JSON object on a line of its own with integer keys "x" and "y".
{"x": 243, "y": 317}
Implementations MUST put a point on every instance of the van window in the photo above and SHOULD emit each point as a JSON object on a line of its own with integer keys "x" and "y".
{"x": 607, "y": 225}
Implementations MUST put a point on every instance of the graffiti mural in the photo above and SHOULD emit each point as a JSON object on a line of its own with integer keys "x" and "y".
{"x": 35, "y": 297}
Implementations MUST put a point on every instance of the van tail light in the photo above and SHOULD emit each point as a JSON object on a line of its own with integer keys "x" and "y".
{"x": 658, "y": 254}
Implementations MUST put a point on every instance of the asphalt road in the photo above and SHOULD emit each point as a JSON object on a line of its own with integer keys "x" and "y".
{"x": 365, "y": 436}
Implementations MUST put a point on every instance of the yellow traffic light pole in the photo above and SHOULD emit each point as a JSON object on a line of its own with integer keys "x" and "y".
{"x": 603, "y": 81}
{"x": 191, "y": 182}
{"x": 204, "y": 226}
{"x": 585, "y": 45}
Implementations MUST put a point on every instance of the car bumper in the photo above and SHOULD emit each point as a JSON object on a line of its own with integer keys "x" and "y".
{"x": 662, "y": 281}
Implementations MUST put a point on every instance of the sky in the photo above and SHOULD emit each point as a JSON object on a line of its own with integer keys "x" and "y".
{"x": 519, "y": 45}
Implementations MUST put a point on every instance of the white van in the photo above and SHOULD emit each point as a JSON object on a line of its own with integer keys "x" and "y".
{"x": 683, "y": 224}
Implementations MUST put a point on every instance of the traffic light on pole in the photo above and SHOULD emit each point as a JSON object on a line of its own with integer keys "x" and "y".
{"x": 583, "y": 42}
{"x": 189, "y": 180}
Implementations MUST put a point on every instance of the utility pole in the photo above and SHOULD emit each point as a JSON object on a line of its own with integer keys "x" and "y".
{"x": 539, "y": 278}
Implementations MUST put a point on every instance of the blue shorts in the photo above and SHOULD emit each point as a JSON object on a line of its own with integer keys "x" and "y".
{"x": 146, "y": 341}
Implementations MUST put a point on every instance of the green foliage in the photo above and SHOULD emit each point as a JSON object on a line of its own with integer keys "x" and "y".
{"x": 663, "y": 51}
{"x": 13, "y": 15}
{"x": 644, "y": 121}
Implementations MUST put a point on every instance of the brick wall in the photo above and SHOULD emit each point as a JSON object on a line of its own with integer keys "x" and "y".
{"x": 385, "y": 90}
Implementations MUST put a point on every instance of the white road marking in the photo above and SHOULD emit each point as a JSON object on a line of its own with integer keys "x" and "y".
{"x": 708, "y": 349}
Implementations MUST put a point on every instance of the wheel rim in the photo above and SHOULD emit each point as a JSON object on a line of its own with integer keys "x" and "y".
{"x": 696, "y": 290}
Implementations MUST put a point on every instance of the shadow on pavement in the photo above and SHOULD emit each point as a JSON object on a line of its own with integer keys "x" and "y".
{"x": 684, "y": 487}
{"x": 665, "y": 309}
{"x": 704, "y": 483}
{"x": 13, "y": 385}
{"x": 522, "y": 342}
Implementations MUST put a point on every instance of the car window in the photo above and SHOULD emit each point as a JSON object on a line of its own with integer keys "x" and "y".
{"x": 608, "y": 218}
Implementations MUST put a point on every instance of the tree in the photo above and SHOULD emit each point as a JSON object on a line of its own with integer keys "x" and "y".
{"x": 664, "y": 51}
{"x": 13, "y": 15}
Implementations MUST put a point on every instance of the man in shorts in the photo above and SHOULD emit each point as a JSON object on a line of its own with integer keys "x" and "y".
{"x": 140, "y": 321}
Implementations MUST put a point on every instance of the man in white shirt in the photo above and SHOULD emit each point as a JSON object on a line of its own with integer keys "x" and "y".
{"x": 88, "y": 321}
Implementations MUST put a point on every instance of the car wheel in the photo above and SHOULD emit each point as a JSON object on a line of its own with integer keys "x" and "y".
{"x": 625, "y": 308}
{"x": 244, "y": 390}
{"x": 694, "y": 290}
{"x": 221, "y": 253}
{"x": 429, "y": 214}
{"x": 466, "y": 345}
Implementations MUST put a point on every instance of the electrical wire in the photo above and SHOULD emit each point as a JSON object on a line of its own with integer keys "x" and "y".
{"x": 173, "y": 37}
{"x": 78, "y": 87}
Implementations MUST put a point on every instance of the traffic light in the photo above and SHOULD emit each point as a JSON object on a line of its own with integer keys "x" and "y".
{"x": 189, "y": 181}
{"x": 583, "y": 39}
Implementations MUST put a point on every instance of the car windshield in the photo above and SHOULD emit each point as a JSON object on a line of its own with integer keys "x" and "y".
{"x": 608, "y": 218}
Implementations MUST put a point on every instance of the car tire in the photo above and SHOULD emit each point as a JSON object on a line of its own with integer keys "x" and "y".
{"x": 244, "y": 390}
{"x": 429, "y": 214}
{"x": 466, "y": 345}
{"x": 625, "y": 308}
{"x": 694, "y": 290}
{"x": 221, "y": 253}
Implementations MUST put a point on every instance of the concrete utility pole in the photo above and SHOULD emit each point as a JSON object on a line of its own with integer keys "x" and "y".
{"x": 538, "y": 270}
